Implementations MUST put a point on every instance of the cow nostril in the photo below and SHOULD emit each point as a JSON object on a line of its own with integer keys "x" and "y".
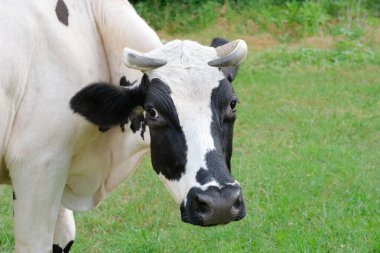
{"x": 202, "y": 207}
{"x": 237, "y": 203}
{"x": 238, "y": 206}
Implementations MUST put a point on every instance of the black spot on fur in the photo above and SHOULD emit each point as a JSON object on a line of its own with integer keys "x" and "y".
{"x": 136, "y": 122}
{"x": 103, "y": 129}
{"x": 57, "y": 249}
{"x": 143, "y": 128}
{"x": 168, "y": 143}
{"x": 125, "y": 83}
{"x": 203, "y": 177}
{"x": 217, "y": 42}
{"x": 217, "y": 167}
{"x": 62, "y": 12}
{"x": 14, "y": 195}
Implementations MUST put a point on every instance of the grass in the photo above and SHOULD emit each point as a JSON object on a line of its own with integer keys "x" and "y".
{"x": 306, "y": 152}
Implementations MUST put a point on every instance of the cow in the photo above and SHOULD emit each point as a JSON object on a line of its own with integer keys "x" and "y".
{"x": 87, "y": 88}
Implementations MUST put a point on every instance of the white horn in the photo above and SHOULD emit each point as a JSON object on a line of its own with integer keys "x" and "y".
{"x": 230, "y": 54}
{"x": 137, "y": 60}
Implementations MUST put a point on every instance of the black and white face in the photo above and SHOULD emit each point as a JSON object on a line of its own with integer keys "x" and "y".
{"x": 190, "y": 109}
{"x": 191, "y": 119}
{"x": 191, "y": 147}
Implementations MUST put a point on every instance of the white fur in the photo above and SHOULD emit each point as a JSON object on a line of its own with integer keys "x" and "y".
{"x": 48, "y": 152}
{"x": 64, "y": 230}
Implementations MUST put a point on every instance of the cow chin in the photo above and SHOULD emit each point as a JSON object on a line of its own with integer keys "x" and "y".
{"x": 213, "y": 206}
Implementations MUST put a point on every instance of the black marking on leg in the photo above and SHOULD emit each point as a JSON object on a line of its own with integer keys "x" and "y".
{"x": 57, "y": 249}
{"x": 68, "y": 247}
{"x": 14, "y": 198}
{"x": 62, "y": 12}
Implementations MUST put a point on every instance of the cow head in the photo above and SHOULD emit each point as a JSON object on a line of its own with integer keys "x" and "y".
{"x": 190, "y": 108}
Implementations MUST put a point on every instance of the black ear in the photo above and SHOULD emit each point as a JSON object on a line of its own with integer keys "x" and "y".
{"x": 229, "y": 72}
{"x": 107, "y": 105}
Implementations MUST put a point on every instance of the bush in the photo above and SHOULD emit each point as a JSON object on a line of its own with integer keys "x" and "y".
{"x": 285, "y": 19}
{"x": 178, "y": 16}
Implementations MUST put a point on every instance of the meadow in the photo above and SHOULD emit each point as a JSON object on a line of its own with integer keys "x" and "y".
{"x": 306, "y": 150}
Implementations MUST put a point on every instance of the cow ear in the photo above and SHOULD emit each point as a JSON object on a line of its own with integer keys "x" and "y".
{"x": 229, "y": 72}
{"x": 107, "y": 105}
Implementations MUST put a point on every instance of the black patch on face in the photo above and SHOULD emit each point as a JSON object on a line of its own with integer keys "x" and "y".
{"x": 57, "y": 249}
{"x": 223, "y": 118}
{"x": 203, "y": 177}
{"x": 14, "y": 195}
{"x": 62, "y": 12}
{"x": 107, "y": 105}
{"x": 217, "y": 168}
{"x": 168, "y": 143}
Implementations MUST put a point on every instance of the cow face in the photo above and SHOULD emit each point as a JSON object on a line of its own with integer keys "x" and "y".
{"x": 190, "y": 108}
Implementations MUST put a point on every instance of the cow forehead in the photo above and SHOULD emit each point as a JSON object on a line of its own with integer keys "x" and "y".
{"x": 184, "y": 53}
{"x": 187, "y": 73}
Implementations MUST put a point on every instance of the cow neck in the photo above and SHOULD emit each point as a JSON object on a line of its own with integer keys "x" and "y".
{"x": 120, "y": 26}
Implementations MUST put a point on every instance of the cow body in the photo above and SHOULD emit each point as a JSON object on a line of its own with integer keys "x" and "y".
{"x": 45, "y": 149}
{"x": 44, "y": 63}
{"x": 57, "y": 161}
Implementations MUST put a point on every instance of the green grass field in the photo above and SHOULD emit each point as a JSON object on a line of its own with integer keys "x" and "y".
{"x": 306, "y": 152}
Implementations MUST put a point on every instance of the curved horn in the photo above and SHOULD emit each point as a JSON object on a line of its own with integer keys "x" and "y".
{"x": 136, "y": 60}
{"x": 230, "y": 54}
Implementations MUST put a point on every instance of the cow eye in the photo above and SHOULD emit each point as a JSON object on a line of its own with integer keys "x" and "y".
{"x": 152, "y": 113}
{"x": 233, "y": 104}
